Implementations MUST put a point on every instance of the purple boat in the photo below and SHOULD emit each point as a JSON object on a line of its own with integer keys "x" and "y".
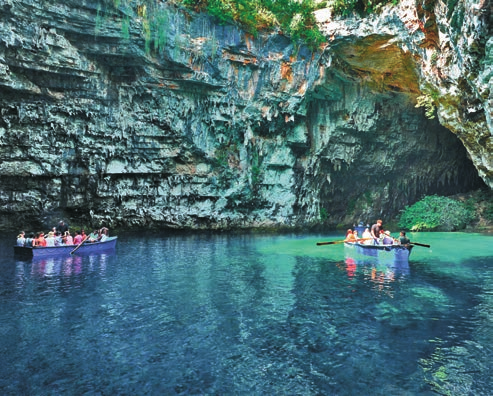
{"x": 66, "y": 250}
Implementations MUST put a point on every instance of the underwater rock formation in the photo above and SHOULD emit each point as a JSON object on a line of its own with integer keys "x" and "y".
{"x": 110, "y": 118}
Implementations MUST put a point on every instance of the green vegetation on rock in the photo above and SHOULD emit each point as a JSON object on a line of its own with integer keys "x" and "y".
{"x": 295, "y": 18}
{"x": 428, "y": 102}
{"x": 434, "y": 213}
{"x": 360, "y": 7}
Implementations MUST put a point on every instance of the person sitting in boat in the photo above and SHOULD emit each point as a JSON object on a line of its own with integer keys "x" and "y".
{"x": 30, "y": 240}
{"x": 21, "y": 239}
{"x": 403, "y": 239}
{"x": 78, "y": 238}
{"x": 93, "y": 236}
{"x": 104, "y": 234}
{"x": 380, "y": 237}
{"x": 350, "y": 236}
{"x": 40, "y": 239}
{"x": 387, "y": 239}
{"x": 68, "y": 239}
{"x": 50, "y": 239}
{"x": 58, "y": 239}
{"x": 367, "y": 236}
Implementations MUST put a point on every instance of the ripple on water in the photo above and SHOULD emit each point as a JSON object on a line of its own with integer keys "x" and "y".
{"x": 246, "y": 315}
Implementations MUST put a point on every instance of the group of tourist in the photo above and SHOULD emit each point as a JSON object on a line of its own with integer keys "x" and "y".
{"x": 376, "y": 235}
{"x": 61, "y": 236}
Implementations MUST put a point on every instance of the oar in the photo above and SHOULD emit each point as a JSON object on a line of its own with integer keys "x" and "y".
{"x": 334, "y": 242}
{"x": 420, "y": 244}
{"x": 80, "y": 244}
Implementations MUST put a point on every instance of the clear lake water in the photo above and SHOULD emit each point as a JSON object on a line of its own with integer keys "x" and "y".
{"x": 248, "y": 314}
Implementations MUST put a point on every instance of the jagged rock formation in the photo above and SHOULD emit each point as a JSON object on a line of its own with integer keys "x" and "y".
{"x": 451, "y": 45}
{"x": 105, "y": 119}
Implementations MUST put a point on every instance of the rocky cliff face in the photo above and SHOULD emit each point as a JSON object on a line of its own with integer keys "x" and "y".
{"x": 451, "y": 46}
{"x": 107, "y": 117}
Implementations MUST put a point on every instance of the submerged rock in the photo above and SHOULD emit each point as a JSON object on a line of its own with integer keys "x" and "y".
{"x": 109, "y": 116}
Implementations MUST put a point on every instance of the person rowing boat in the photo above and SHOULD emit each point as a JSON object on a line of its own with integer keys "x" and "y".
{"x": 403, "y": 239}
{"x": 375, "y": 231}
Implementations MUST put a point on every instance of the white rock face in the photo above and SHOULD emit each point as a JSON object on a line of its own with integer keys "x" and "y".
{"x": 204, "y": 126}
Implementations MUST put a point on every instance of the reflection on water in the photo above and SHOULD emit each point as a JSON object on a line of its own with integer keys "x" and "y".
{"x": 243, "y": 314}
{"x": 378, "y": 272}
{"x": 380, "y": 276}
{"x": 64, "y": 266}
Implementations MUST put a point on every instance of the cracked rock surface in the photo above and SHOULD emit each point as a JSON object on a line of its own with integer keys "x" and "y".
{"x": 106, "y": 121}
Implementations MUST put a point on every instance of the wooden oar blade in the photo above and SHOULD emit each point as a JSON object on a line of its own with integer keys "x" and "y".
{"x": 334, "y": 242}
{"x": 80, "y": 244}
{"x": 329, "y": 243}
{"x": 420, "y": 244}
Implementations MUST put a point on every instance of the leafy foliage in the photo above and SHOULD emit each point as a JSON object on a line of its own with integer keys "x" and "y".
{"x": 293, "y": 17}
{"x": 436, "y": 213}
{"x": 360, "y": 7}
{"x": 482, "y": 202}
{"x": 428, "y": 103}
{"x": 488, "y": 212}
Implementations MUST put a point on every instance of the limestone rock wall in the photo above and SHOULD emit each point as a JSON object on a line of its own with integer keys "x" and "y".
{"x": 451, "y": 46}
{"x": 107, "y": 119}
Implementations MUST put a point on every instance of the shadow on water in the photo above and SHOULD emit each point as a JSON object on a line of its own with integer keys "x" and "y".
{"x": 249, "y": 314}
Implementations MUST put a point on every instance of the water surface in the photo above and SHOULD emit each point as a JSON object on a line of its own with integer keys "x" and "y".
{"x": 249, "y": 314}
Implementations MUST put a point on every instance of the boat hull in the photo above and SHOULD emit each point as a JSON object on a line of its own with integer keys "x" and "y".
{"x": 86, "y": 248}
{"x": 392, "y": 252}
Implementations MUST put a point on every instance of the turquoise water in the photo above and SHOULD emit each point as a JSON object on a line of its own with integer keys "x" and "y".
{"x": 249, "y": 314}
